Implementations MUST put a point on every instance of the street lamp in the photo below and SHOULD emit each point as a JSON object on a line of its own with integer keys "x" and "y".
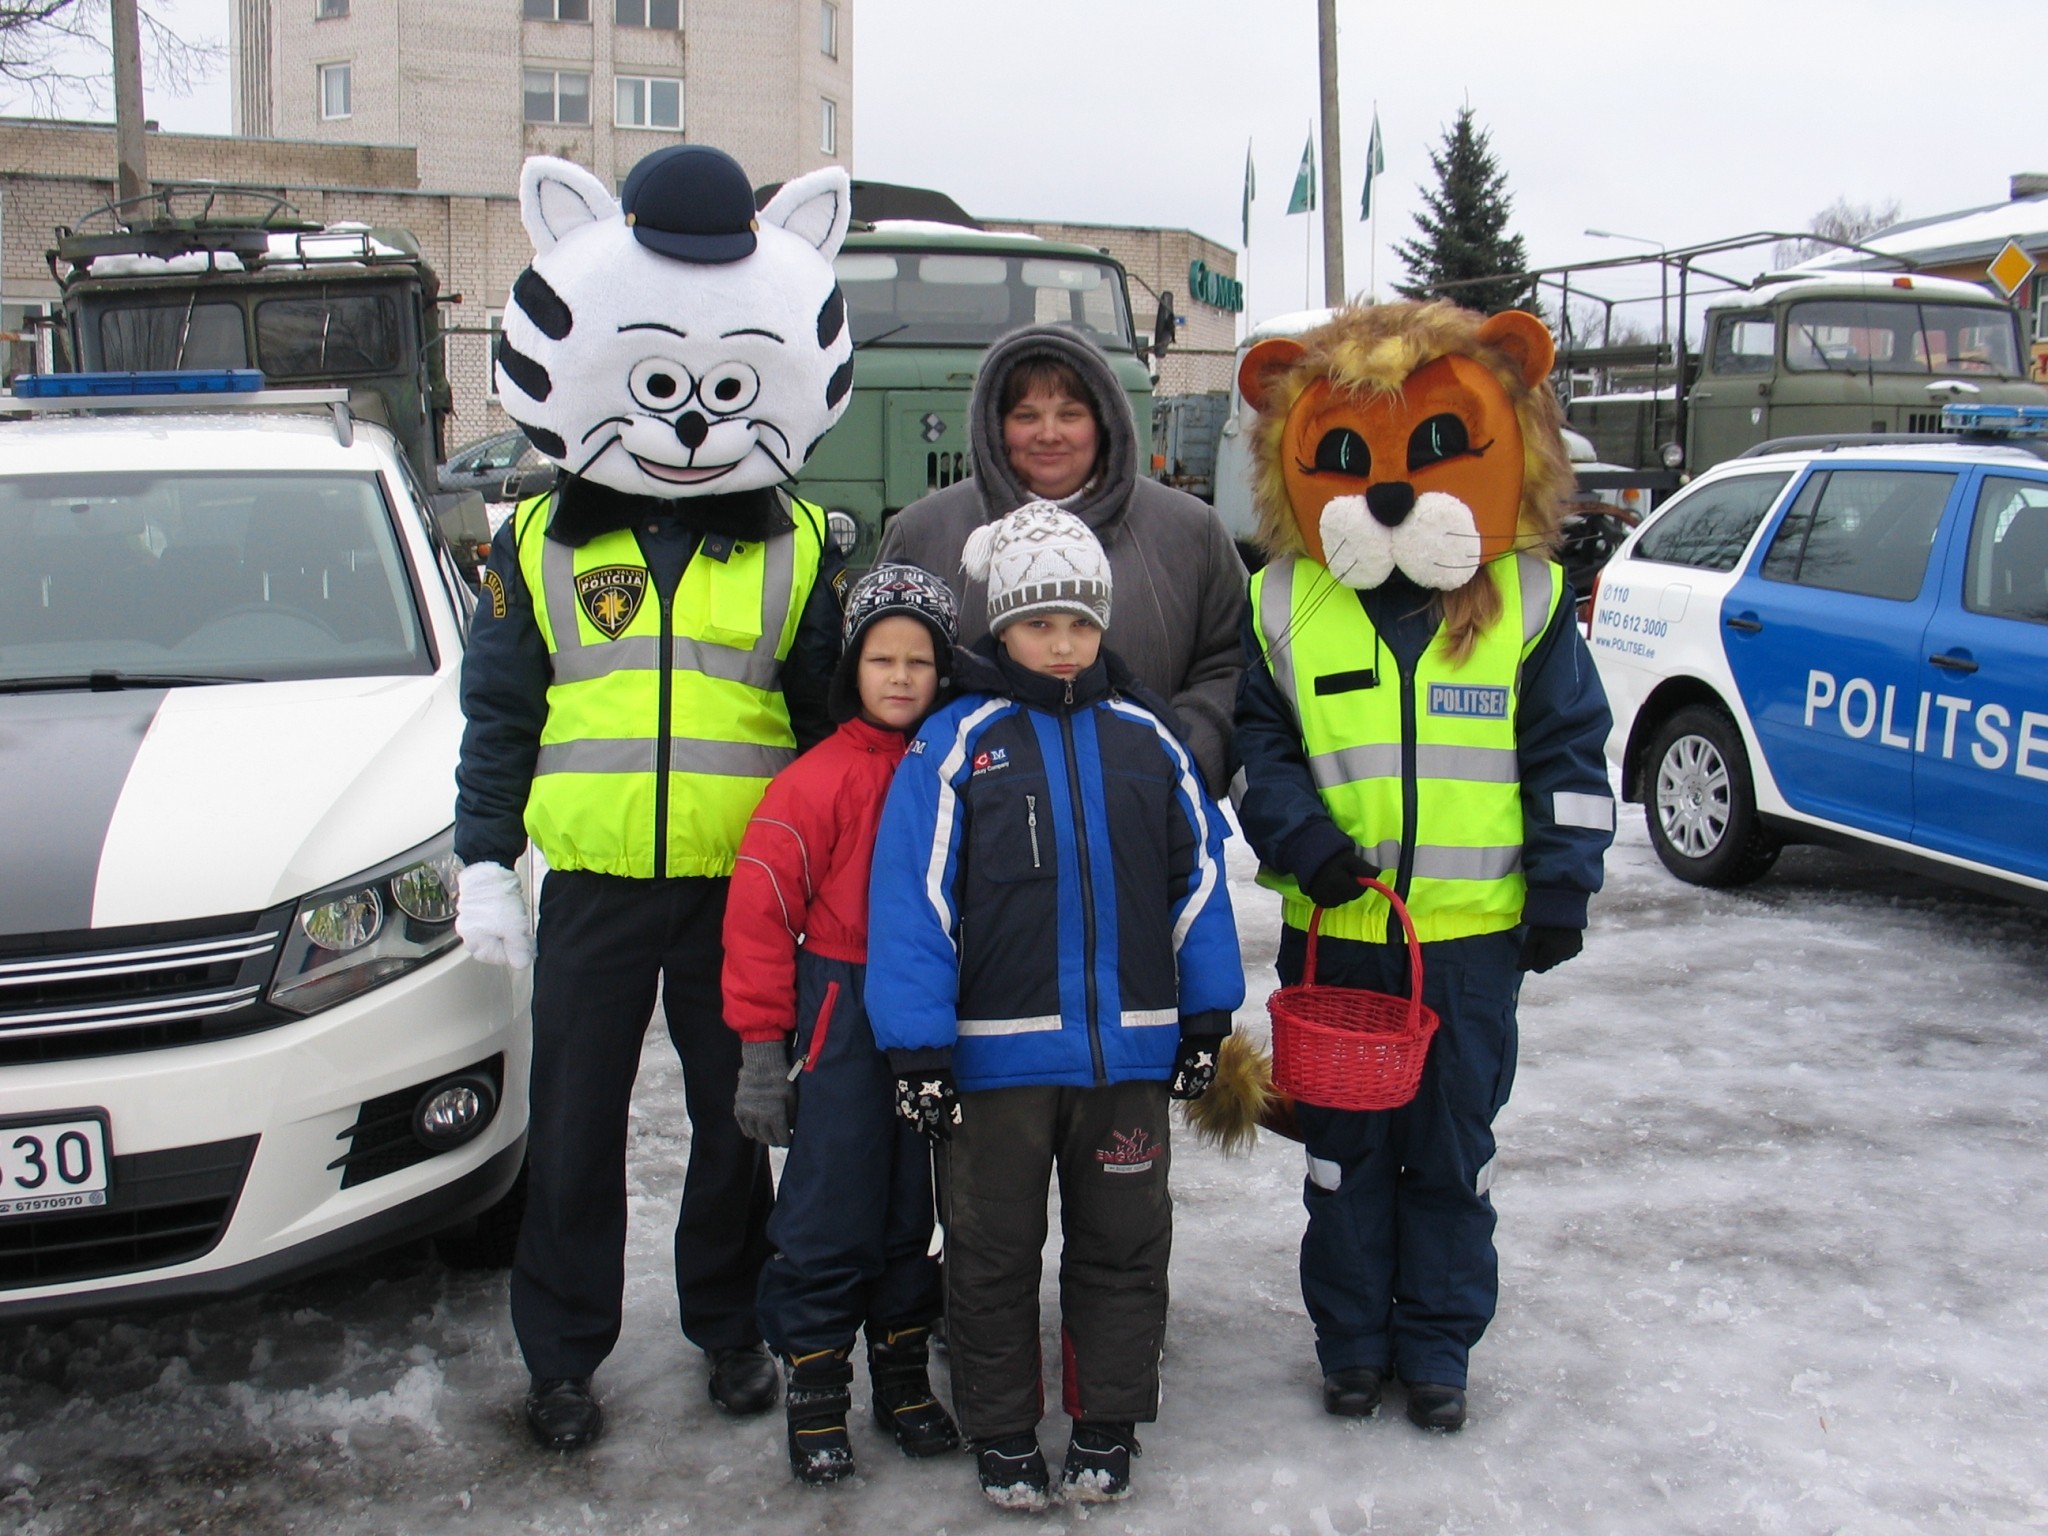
{"x": 1663, "y": 277}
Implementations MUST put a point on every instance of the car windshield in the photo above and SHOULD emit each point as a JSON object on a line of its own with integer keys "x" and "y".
{"x": 969, "y": 298}
{"x": 1889, "y": 336}
{"x": 232, "y": 576}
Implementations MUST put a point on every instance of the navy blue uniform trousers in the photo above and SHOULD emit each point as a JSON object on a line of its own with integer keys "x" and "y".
{"x": 1398, "y": 1265}
{"x": 852, "y": 1227}
{"x": 603, "y": 942}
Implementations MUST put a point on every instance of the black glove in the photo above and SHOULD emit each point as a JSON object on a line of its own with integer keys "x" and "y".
{"x": 1543, "y": 948}
{"x": 929, "y": 1101}
{"x": 1337, "y": 881}
{"x": 1194, "y": 1067}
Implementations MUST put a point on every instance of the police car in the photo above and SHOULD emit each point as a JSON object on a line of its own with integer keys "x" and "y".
{"x": 238, "y": 1036}
{"x": 1842, "y": 641}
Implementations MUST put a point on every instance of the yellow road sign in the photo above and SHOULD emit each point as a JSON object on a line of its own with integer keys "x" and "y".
{"x": 2011, "y": 267}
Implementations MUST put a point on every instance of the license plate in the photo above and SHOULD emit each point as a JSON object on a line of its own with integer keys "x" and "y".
{"x": 53, "y": 1165}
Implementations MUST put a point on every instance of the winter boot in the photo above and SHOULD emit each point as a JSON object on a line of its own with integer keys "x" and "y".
{"x": 1098, "y": 1466}
{"x": 1013, "y": 1474}
{"x": 817, "y": 1398}
{"x": 1353, "y": 1393}
{"x": 1434, "y": 1406}
{"x": 904, "y": 1403}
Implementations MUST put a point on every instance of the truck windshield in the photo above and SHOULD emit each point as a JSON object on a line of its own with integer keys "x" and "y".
{"x": 1885, "y": 336}
{"x": 969, "y": 298}
{"x": 242, "y": 577}
{"x": 330, "y": 334}
{"x": 172, "y": 333}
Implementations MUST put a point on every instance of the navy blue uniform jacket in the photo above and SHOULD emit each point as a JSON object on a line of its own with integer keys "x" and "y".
{"x": 1048, "y": 897}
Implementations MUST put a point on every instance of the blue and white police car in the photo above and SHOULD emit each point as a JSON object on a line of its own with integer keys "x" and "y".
{"x": 1842, "y": 641}
{"x": 239, "y": 1038}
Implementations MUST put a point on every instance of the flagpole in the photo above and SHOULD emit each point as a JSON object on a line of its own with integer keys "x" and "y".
{"x": 1372, "y": 225}
{"x": 1308, "y": 291}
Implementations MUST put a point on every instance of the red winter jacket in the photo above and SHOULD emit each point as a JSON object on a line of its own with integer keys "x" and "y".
{"x": 802, "y": 875}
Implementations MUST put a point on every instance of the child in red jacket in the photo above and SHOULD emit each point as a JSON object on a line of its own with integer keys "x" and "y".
{"x": 852, "y": 1224}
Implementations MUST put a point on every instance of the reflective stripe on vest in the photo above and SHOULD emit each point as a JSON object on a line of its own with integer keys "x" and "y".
{"x": 1465, "y": 850}
{"x": 596, "y": 784}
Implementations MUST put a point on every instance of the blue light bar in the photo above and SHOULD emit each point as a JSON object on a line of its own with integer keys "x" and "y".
{"x": 188, "y": 381}
{"x": 1996, "y": 420}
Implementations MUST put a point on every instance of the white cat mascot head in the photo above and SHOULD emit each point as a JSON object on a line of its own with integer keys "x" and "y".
{"x": 673, "y": 343}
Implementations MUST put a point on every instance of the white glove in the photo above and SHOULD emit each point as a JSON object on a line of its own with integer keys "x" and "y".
{"x": 490, "y": 915}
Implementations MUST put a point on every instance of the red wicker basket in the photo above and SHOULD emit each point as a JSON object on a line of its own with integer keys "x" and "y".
{"x": 1343, "y": 1048}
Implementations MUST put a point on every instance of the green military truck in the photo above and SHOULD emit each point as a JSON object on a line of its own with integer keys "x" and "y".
{"x": 1802, "y": 353}
{"x": 210, "y": 277}
{"x": 925, "y": 296}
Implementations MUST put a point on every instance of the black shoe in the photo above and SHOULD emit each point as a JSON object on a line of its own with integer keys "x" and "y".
{"x": 904, "y": 1402}
{"x": 1436, "y": 1407}
{"x": 1013, "y": 1474}
{"x": 819, "y": 1396}
{"x": 743, "y": 1380}
{"x": 1353, "y": 1393}
{"x": 561, "y": 1412}
{"x": 1098, "y": 1466}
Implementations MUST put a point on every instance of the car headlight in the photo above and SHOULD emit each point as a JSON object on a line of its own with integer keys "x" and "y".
{"x": 843, "y": 529}
{"x": 364, "y": 932}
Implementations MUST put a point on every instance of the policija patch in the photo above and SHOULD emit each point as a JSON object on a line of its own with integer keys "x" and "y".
{"x": 611, "y": 595}
{"x": 496, "y": 589}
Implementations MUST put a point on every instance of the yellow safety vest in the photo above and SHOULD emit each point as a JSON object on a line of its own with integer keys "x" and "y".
{"x": 1458, "y": 863}
{"x": 703, "y": 680}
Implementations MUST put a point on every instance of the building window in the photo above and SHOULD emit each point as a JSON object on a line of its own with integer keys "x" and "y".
{"x": 328, "y": 10}
{"x": 665, "y": 15}
{"x": 649, "y": 103}
{"x": 557, "y": 10}
{"x": 557, "y": 96}
{"x": 828, "y": 125}
{"x": 828, "y": 29}
{"x": 335, "y": 100}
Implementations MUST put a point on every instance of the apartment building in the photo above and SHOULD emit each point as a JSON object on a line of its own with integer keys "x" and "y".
{"x": 477, "y": 85}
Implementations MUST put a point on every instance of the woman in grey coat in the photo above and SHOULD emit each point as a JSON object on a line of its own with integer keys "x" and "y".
{"x": 1049, "y": 421}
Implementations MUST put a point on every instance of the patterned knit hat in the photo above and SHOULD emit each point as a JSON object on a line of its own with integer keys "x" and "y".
{"x": 891, "y": 591}
{"x": 1039, "y": 559}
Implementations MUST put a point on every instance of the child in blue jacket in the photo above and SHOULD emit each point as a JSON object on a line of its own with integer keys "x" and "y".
{"x": 1043, "y": 987}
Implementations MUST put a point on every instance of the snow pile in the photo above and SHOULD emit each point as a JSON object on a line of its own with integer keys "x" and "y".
{"x": 153, "y": 266}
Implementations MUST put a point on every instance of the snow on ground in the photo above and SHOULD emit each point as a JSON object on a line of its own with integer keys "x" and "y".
{"x": 1774, "y": 1250}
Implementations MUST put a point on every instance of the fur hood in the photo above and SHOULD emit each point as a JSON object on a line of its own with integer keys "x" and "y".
{"x": 1102, "y": 507}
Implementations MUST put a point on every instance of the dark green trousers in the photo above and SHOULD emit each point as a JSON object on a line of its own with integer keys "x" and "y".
{"x": 1109, "y": 1146}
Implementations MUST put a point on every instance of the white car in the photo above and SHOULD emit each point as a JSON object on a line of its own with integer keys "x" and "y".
{"x": 1841, "y": 641}
{"x": 239, "y": 1039}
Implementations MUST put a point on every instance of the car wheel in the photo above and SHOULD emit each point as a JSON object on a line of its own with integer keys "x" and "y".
{"x": 489, "y": 1239}
{"x": 1701, "y": 804}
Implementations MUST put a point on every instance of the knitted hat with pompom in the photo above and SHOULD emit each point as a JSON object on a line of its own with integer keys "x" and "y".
{"x": 1039, "y": 559}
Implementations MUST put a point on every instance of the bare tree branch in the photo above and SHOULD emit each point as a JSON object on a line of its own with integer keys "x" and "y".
{"x": 57, "y": 55}
{"x": 1840, "y": 220}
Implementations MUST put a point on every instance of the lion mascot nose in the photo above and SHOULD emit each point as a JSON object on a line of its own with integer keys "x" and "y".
{"x": 1391, "y": 502}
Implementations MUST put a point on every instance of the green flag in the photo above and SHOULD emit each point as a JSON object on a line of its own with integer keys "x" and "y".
{"x": 1304, "y": 199}
{"x": 1375, "y": 162}
{"x": 1251, "y": 190}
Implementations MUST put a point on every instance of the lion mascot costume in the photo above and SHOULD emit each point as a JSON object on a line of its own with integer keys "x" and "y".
{"x": 656, "y": 638}
{"x": 1419, "y": 707}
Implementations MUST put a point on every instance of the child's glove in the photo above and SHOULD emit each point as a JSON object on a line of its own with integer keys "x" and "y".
{"x": 1543, "y": 948}
{"x": 490, "y": 915}
{"x": 765, "y": 1106}
{"x": 1337, "y": 881}
{"x": 929, "y": 1101}
{"x": 1194, "y": 1068}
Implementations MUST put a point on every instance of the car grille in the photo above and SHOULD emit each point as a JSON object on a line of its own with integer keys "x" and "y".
{"x": 944, "y": 469}
{"x": 381, "y": 1140}
{"x": 99, "y": 992}
{"x": 162, "y": 1208}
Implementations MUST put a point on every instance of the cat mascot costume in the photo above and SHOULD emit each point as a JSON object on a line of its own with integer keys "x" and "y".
{"x": 1418, "y": 707}
{"x": 655, "y": 639}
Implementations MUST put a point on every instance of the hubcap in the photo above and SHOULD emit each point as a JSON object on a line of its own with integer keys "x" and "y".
{"x": 1693, "y": 796}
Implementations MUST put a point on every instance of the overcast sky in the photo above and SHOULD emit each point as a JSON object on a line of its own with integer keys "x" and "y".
{"x": 1671, "y": 121}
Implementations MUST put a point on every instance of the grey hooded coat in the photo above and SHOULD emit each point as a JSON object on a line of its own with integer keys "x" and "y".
{"x": 1178, "y": 586}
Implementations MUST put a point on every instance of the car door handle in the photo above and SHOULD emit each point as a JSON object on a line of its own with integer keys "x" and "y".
{"x": 1953, "y": 663}
{"x": 1749, "y": 624}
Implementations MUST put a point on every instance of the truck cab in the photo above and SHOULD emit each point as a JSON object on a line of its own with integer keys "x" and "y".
{"x": 925, "y": 299}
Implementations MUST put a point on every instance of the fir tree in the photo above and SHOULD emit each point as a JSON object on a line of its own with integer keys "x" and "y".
{"x": 1465, "y": 229}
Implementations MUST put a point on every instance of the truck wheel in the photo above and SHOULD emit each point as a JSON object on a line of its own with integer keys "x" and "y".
{"x": 488, "y": 1239}
{"x": 1700, "y": 803}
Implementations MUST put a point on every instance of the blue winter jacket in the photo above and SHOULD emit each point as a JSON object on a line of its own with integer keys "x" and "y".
{"x": 1048, "y": 896}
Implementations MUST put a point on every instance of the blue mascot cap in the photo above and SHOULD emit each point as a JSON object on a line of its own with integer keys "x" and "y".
{"x": 692, "y": 202}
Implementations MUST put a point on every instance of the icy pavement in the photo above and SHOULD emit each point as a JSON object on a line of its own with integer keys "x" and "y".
{"x": 1774, "y": 1244}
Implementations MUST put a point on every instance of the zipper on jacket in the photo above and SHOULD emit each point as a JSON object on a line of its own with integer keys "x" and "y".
{"x": 1031, "y": 823}
{"x": 1410, "y": 796}
{"x": 1087, "y": 890}
{"x": 808, "y": 1062}
{"x": 661, "y": 743}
